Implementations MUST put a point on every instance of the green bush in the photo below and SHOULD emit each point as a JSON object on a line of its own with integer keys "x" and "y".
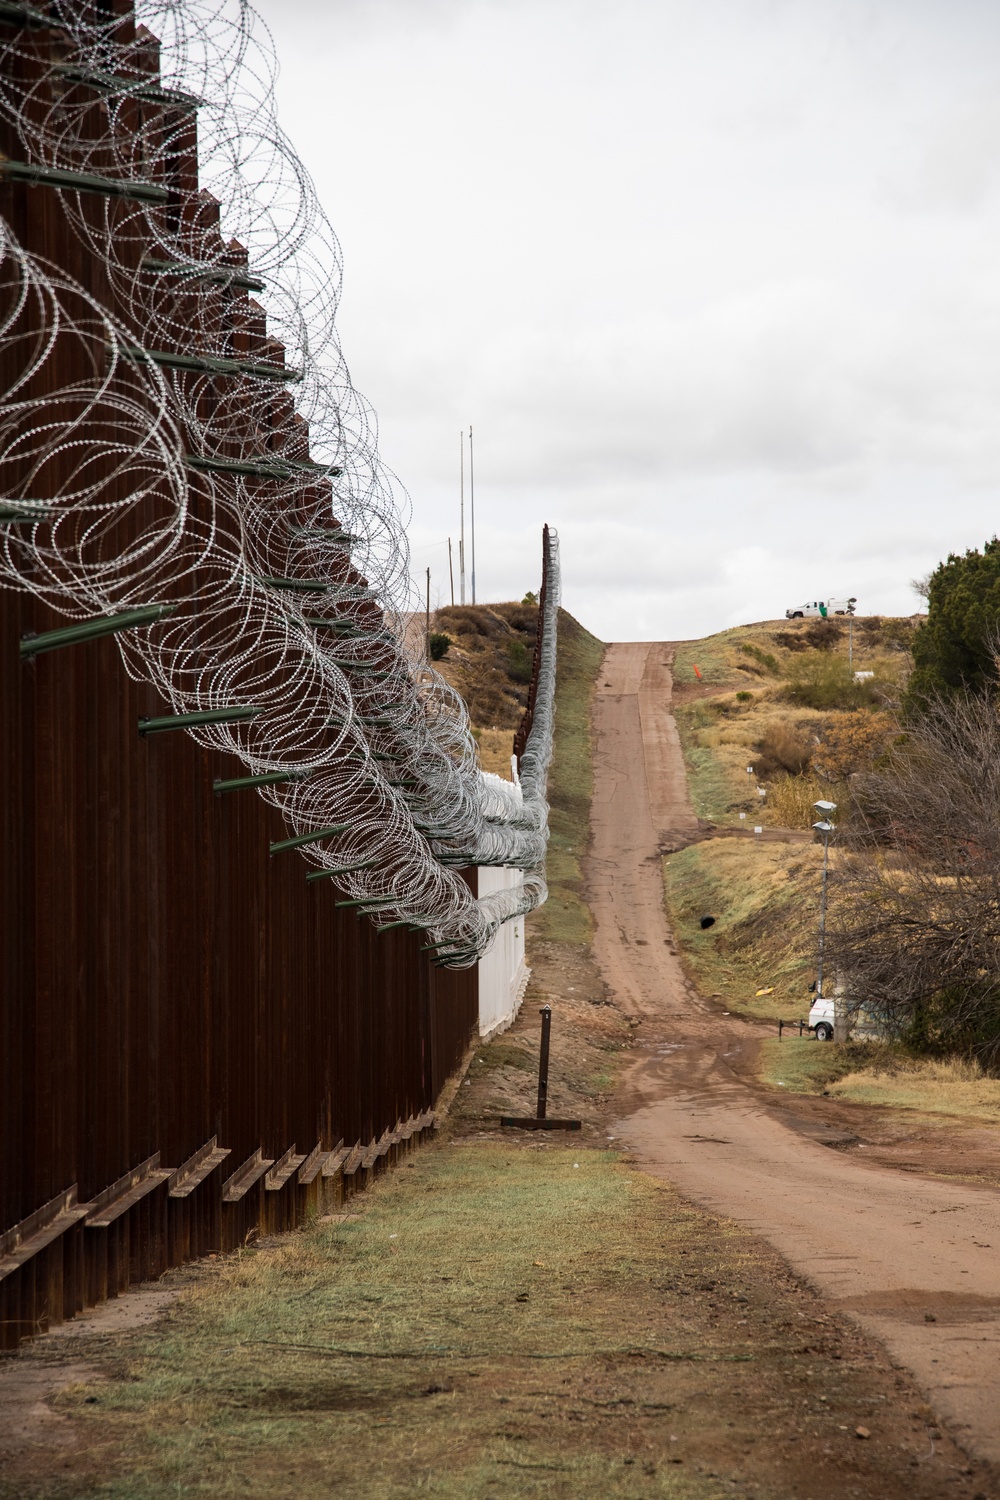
{"x": 519, "y": 660}
{"x": 439, "y": 644}
{"x": 952, "y": 651}
{"x": 765, "y": 658}
{"x": 827, "y": 682}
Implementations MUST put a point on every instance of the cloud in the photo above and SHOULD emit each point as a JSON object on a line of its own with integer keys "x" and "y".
{"x": 715, "y": 286}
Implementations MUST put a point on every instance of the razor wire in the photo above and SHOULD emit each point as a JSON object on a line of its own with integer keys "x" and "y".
{"x": 210, "y": 455}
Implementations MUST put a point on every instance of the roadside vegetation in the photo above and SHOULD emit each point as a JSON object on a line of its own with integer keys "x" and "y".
{"x": 911, "y": 757}
{"x": 765, "y": 900}
{"x": 781, "y": 712}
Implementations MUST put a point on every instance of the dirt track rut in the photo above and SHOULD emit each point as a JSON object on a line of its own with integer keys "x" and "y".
{"x": 914, "y": 1259}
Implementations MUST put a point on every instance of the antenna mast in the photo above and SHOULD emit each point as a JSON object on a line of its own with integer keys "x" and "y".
{"x": 472, "y": 515}
{"x": 461, "y": 502}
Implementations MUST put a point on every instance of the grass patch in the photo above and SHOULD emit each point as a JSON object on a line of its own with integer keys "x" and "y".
{"x": 881, "y": 1073}
{"x": 765, "y": 899}
{"x": 565, "y": 917}
{"x": 947, "y": 1088}
{"x": 801, "y": 1065}
{"x": 713, "y": 789}
{"x": 493, "y": 1322}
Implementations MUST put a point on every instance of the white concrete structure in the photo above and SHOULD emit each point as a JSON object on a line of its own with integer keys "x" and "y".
{"x": 503, "y": 974}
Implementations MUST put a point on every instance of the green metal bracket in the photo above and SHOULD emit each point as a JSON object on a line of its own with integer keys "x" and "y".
{"x": 137, "y": 86}
{"x": 371, "y": 903}
{"x": 23, "y": 15}
{"x": 205, "y": 716}
{"x": 82, "y": 182}
{"x": 342, "y": 627}
{"x": 89, "y": 630}
{"x": 297, "y": 585}
{"x": 261, "y": 468}
{"x": 202, "y": 273}
{"x": 368, "y": 864}
{"x": 331, "y": 534}
{"x": 209, "y": 365}
{"x": 24, "y": 512}
{"x": 309, "y": 838}
{"x": 270, "y": 778}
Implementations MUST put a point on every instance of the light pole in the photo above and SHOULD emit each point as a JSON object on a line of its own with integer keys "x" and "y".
{"x": 825, "y": 827}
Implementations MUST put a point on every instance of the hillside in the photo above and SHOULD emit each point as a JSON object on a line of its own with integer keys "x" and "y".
{"x": 784, "y": 699}
{"x": 777, "y": 710}
{"x": 488, "y": 659}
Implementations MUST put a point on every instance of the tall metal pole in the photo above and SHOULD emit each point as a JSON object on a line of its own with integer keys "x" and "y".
{"x": 850, "y": 643}
{"x": 472, "y": 515}
{"x": 822, "y": 916}
{"x": 451, "y": 574}
{"x": 461, "y": 503}
{"x": 427, "y": 617}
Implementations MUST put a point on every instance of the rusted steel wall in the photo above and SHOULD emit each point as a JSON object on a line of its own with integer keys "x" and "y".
{"x": 163, "y": 981}
{"x": 164, "y": 984}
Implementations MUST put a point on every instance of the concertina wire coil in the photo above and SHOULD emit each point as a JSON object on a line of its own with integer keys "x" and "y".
{"x": 205, "y": 450}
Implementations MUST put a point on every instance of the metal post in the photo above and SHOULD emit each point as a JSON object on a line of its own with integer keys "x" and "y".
{"x": 427, "y": 617}
{"x": 461, "y": 513}
{"x": 822, "y": 917}
{"x": 472, "y": 514}
{"x": 451, "y": 574}
{"x": 850, "y": 643}
{"x": 543, "y": 1061}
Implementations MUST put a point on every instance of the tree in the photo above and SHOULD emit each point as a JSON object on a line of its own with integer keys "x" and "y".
{"x": 916, "y": 920}
{"x": 952, "y": 650}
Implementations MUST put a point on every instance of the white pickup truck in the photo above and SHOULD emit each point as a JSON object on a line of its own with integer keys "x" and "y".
{"x": 819, "y": 609}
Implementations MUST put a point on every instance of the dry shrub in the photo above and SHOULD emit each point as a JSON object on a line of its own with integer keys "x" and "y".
{"x": 791, "y": 640}
{"x": 783, "y": 747}
{"x": 854, "y": 743}
{"x": 822, "y": 635}
{"x": 463, "y": 621}
{"x": 520, "y": 617}
{"x": 790, "y": 801}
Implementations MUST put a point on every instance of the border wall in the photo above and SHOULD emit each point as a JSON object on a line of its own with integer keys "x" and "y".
{"x": 195, "y": 1044}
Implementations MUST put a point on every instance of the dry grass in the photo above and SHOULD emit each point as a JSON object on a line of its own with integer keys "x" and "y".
{"x": 496, "y": 1321}
{"x": 949, "y": 1088}
{"x": 724, "y": 733}
{"x": 765, "y": 899}
{"x": 496, "y": 746}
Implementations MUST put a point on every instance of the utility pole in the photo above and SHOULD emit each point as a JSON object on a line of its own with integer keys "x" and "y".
{"x": 427, "y": 617}
{"x": 825, "y": 827}
{"x": 461, "y": 503}
{"x": 451, "y": 574}
{"x": 472, "y": 514}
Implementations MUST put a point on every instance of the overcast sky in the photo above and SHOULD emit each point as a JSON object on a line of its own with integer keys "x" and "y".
{"x": 716, "y": 283}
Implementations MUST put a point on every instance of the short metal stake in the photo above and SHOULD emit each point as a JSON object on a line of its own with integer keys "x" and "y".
{"x": 540, "y": 1120}
{"x": 543, "y": 1062}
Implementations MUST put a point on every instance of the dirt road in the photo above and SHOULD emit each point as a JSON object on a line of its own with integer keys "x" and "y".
{"x": 914, "y": 1259}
